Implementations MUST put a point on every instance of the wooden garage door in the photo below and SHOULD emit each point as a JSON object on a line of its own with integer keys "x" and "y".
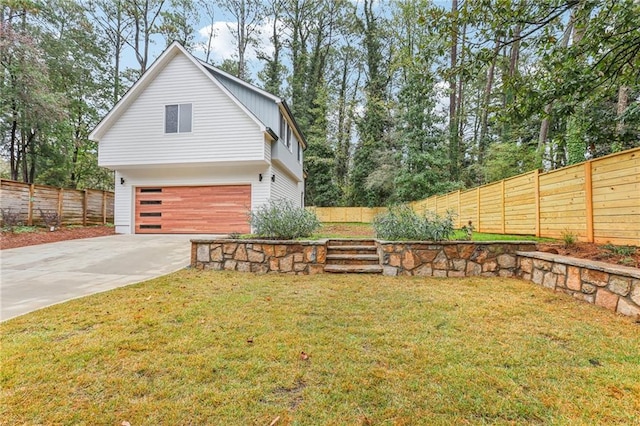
{"x": 193, "y": 209}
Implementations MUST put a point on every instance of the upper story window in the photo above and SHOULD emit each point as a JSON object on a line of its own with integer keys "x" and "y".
{"x": 285, "y": 132}
{"x": 177, "y": 118}
{"x": 299, "y": 153}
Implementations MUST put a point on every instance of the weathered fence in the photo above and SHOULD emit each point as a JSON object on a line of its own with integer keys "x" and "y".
{"x": 597, "y": 201}
{"x": 74, "y": 207}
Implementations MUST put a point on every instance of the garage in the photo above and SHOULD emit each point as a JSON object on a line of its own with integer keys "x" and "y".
{"x": 192, "y": 209}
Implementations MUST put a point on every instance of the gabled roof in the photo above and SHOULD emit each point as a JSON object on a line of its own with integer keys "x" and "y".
{"x": 169, "y": 53}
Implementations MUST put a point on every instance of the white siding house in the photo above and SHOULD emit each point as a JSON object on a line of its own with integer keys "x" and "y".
{"x": 194, "y": 149}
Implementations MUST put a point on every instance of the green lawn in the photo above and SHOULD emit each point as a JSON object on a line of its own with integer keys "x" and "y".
{"x": 365, "y": 230}
{"x": 224, "y": 348}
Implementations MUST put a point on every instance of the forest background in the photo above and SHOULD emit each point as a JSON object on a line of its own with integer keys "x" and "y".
{"x": 398, "y": 99}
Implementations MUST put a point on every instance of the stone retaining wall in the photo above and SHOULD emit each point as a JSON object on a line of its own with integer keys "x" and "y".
{"x": 261, "y": 256}
{"x": 451, "y": 259}
{"x": 613, "y": 287}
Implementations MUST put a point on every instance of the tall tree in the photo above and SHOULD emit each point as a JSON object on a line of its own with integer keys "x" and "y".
{"x": 374, "y": 124}
{"x": 248, "y": 15}
{"x": 272, "y": 75}
{"x": 145, "y": 17}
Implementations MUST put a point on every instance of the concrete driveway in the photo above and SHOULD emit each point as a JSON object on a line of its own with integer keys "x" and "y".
{"x": 37, "y": 276}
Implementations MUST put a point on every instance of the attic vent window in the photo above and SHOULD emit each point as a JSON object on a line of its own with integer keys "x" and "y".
{"x": 177, "y": 118}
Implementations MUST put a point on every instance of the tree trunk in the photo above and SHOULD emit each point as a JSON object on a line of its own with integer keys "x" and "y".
{"x": 623, "y": 102}
{"x": 486, "y": 101}
{"x": 454, "y": 144}
{"x": 546, "y": 120}
{"x": 460, "y": 105}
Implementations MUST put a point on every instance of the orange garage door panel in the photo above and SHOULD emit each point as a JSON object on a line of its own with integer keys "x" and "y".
{"x": 193, "y": 209}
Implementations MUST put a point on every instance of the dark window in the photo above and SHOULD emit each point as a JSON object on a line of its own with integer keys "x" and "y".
{"x": 150, "y": 226}
{"x": 148, "y": 202}
{"x": 151, "y": 214}
{"x": 171, "y": 119}
{"x": 150, "y": 189}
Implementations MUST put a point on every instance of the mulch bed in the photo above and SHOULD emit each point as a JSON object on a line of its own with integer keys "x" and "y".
{"x": 41, "y": 236}
{"x": 591, "y": 251}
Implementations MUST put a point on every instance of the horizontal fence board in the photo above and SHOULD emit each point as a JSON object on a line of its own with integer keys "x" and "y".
{"x": 15, "y": 195}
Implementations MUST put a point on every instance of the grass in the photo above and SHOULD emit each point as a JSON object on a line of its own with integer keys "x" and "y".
{"x": 224, "y": 348}
{"x": 21, "y": 229}
{"x": 365, "y": 230}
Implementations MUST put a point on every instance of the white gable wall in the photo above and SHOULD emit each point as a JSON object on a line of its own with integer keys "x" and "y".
{"x": 221, "y": 130}
{"x": 184, "y": 176}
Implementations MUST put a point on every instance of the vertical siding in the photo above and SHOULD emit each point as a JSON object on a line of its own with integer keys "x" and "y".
{"x": 187, "y": 176}
{"x": 221, "y": 131}
{"x": 261, "y": 106}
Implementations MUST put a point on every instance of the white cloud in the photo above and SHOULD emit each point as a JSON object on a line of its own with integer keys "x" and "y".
{"x": 223, "y": 45}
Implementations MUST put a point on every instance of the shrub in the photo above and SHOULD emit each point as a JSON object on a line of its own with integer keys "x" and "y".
{"x": 402, "y": 223}
{"x": 10, "y": 219}
{"x": 569, "y": 237}
{"x": 281, "y": 219}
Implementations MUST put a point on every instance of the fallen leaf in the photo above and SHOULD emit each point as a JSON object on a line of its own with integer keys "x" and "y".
{"x": 304, "y": 356}
{"x": 276, "y": 420}
{"x": 268, "y": 299}
{"x": 250, "y": 340}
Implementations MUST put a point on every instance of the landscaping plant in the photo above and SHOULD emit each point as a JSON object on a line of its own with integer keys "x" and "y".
{"x": 281, "y": 219}
{"x": 403, "y": 223}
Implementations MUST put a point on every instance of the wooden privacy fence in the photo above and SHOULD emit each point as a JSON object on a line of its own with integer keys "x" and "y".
{"x": 347, "y": 214}
{"x": 597, "y": 201}
{"x": 73, "y": 206}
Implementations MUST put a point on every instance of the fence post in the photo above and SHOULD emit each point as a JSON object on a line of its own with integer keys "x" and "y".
{"x": 502, "y": 206}
{"x": 478, "y": 209}
{"x": 459, "y": 211}
{"x": 60, "y": 203}
{"x": 84, "y": 208}
{"x": 588, "y": 199}
{"x": 536, "y": 184}
{"x": 30, "y": 205}
{"x": 104, "y": 207}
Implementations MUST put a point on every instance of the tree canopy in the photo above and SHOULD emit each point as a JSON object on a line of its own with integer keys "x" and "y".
{"x": 398, "y": 99}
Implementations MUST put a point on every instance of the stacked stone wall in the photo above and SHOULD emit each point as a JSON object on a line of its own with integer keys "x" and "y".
{"x": 260, "y": 256}
{"x": 610, "y": 286}
{"x": 451, "y": 259}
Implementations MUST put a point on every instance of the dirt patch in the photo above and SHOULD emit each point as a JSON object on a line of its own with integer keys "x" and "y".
{"x": 42, "y": 235}
{"x": 352, "y": 230}
{"x": 619, "y": 255}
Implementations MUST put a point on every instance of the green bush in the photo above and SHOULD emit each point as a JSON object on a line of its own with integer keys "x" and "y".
{"x": 402, "y": 223}
{"x": 281, "y": 219}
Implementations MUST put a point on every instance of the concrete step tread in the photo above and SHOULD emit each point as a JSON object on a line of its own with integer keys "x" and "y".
{"x": 353, "y": 269}
{"x": 353, "y": 256}
{"x": 352, "y": 243}
{"x": 363, "y": 248}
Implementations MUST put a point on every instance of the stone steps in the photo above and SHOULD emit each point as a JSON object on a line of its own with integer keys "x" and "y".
{"x": 352, "y": 256}
{"x": 353, "y": 259}
{"x": 353, "y": 269}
